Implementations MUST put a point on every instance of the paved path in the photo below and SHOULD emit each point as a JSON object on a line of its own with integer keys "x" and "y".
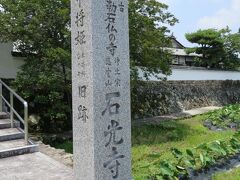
{"x": 202, "y": 110}
{"x": 36, "y": 166}
{"x": 184, "y": 114}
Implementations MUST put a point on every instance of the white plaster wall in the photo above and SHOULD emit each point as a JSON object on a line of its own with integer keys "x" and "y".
{"x": 194, "y": 74}
{"x": 189, "y": 74}
{"x": 174, "y": 44}
{"x": 9, "y": 65}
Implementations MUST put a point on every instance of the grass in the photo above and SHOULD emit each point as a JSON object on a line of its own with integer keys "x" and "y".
{"x": 151, "y": 144}
{"x": 67, "y": 146}
{"x": 231, "y": 175}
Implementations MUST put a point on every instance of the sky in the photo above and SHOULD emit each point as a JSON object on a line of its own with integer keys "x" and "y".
{"x": 203, "y": 14}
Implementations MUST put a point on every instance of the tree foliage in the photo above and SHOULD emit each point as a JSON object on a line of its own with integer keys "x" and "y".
{"x": 219, "y": 48}
{"x": 40, "y": 30}
{"x": 232, "y": 50}
{"x": 148, "y": 21}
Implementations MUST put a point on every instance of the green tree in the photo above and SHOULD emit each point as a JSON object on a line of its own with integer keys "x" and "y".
{"x": 232, "y": 50}
{"x": 148, "y": 21}
{"x": 218, "y": 47}
{"x": 41, "y": 32}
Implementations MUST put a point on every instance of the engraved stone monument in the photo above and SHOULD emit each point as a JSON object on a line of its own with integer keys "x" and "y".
{"x": 101, "y": 90}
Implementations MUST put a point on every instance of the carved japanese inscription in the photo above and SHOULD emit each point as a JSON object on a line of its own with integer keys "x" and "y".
{"x": 101, "y": 89}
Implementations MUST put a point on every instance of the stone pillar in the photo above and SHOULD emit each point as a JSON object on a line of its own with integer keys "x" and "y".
{"x": 1, "y": 100}
{"x": 101, "y": 90}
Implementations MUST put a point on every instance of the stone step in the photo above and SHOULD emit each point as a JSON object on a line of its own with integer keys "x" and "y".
{"x": 3, "y": 115}
{"x": 11, "y": 134}
{"x": 16, "y": 147}
{"x": 6, "y": 123}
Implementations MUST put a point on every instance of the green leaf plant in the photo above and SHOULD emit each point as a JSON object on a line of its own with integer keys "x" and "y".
{"x": 203, "y": 156}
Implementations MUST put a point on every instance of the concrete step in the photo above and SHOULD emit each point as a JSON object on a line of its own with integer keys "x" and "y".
{"x": 12, "y": 141}
{"x": 6, "y": 123}
{"x": 3, "y": 115}
{"x": 16, "y": 147}
{"x": 11, "y": 134}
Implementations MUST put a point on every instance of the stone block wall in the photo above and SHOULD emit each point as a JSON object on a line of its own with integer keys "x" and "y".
{"x": 157, "y": 98}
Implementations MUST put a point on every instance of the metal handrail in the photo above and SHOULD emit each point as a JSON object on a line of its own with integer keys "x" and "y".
{"x": 12, "y": 110}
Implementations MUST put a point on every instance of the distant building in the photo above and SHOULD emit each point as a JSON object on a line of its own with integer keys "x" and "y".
{"x": 10, "y": 61}
{"x": 180, "y": 57}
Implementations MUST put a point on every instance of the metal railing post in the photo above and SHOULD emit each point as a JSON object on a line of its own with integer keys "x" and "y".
{"x": 1, "y": 101}
{"x": 11, "y": 108}
{"x": 26, "y": 122}
{"x": 13, "y": 112}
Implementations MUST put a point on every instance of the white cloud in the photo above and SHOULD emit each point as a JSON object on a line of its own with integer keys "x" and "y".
{"x": 224, "y": 17}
